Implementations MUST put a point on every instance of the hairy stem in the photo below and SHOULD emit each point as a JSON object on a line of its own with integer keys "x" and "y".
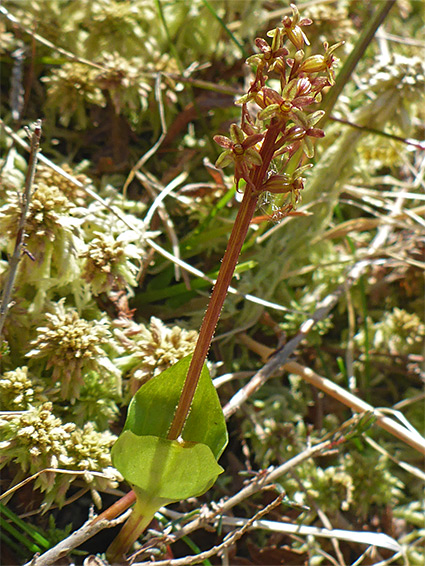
{"x": 230, "y": 259}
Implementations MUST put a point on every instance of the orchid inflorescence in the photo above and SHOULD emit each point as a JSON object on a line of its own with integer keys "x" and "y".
{"x": 282, "y": 126}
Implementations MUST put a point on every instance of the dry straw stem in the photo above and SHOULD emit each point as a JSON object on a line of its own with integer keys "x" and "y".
{"x": 281, "y": 357}
{"x": 263, "y": 481}
{"x": 416, "y": 441}
{"x": 266, "y": 479}
{"x": 229, "y": 540}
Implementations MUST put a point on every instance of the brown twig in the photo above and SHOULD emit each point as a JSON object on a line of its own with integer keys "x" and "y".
{"x": 20, "y": 236}
{"x": 263, "y": 481}
{"x": 229, "y": 540}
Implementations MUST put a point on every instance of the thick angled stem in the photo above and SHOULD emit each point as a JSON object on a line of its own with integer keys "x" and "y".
{"x": 140, "y": 518}
{"x": 230, "y": 259}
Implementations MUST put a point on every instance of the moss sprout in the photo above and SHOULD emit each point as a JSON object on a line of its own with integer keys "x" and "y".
{"x": 37, "y": 439}
{"x": 69, "y": 89}
{"x": 18, "y": 391}
{"x": 72, "y": 346}
{"x": 108, "y": 266}
{"x": 399, "y": 332}
{"x": 49, "y": 177}
{"x": 151, "y": 348}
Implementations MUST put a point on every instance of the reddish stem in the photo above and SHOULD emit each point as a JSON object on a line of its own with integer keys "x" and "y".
{"x": 117, "y": 508}
{"x": 230, "y": 259}
{"x": 212, "y": 314}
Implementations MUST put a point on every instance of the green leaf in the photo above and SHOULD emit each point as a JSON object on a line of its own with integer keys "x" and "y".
{"x": 165, "y": 470}
{"x": 152, "y": 409}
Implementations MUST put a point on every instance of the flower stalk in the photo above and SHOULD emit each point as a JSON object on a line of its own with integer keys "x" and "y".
{"x": 268, "y": 151}
{"x": 230, "y": 259}
{"x": 283, "y": 126}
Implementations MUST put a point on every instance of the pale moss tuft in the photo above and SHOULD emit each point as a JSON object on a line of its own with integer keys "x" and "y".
{"x": 399, "y": 333}
{"x": 108, "y": 266}
{"x": 90, "y": 449}
{"x": 332, "y": 487}
{"x": 47, "y": 206}
{"x": 69, "y": 89}
{"x": 97, "y": 401}
{"x": 49, "y": 177}
{"x": 152, "y": 349}
{"x": 17, "y": 391}
{"x": 72, "y": 346}
{"x": 37, "y": 439}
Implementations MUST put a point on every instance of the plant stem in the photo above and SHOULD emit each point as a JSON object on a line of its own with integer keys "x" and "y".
{"x": 139, "y": 519}
{"x": 117, "y": 508}
{"x": 230, "y": 258}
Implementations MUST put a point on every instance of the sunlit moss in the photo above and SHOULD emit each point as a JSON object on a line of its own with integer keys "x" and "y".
{"x": 17, "y": 390}
{"x": 151, "y": 349}
{"x": 36, "y": 439}
{"x": 72, "y": 346}
{"x": 108, "y": 264}
{"x": 47, "y": 176}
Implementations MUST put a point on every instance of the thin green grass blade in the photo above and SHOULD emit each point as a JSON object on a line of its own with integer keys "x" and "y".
{"x": 195, "y": 548}
{"x": 226, "y": 29}
{"x": 29, "y": 529}
{"x": 5, "y": 526}
{"x": 181, "y": 289}
{"x": 171, "y": 45}
{"x": 222, "y": 203}
{"x": 350, "y": 64}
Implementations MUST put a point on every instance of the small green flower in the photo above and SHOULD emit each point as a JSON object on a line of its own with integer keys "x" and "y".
{"x": 239, "y": 149}
{"x": 296, "y": 95}
{"x": 292, "y": 28}
{"x": 72, "y": 346}
{"x": 317, "y": 63}
{"x": 271, "y": 57}
{"x": 283, "y": 184}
